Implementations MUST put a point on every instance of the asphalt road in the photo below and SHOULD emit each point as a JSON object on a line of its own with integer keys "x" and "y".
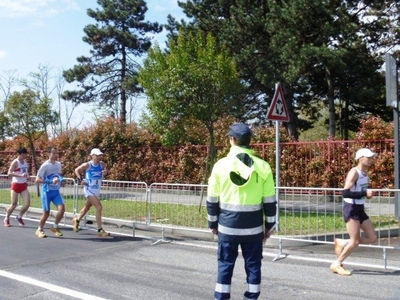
{"x": 83, "y": 266}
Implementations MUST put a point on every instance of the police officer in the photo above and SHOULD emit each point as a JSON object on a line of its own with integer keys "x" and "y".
{"x": 241, "y": 190}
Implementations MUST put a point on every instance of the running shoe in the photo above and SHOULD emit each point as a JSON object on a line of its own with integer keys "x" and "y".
{"x": 56, "y": 231}
{"x": 102, "y": 233}
{"x": 338, "y": 269}
{"x": 338, "y": 247}
{"x": 6, "y": 222}
{"x": 40, "y": 233}
{"x": 20, "y": 221}
{"x": 75, "y": 224}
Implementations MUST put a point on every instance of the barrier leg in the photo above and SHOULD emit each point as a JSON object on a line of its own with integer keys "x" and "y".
{"x": 280, "y": 255}
{"x": 385, "y": 257}
{"x": 162, "y": 240}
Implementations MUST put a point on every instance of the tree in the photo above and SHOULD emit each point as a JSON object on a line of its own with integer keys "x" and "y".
{"x": 327, "y": 48}
{"x": 27, "y": 115}
{"x": 308, "y": 46}
{"x": 196, "y": 80}
{"x": 7, "y": 81}
{"x": 241, "y": 26}
{"x": 109, "y": 76}
{"x": 48, "y": 83}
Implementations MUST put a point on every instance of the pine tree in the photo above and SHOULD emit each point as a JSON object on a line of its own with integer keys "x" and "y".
{"x": 109, "y": 76}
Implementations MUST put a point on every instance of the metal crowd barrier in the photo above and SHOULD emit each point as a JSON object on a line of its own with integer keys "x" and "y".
{"x": 178, "y": 205}
{"x": 122, "y": 201}
{"x": 314, "y": 216}
{"x": 306, "y": 215}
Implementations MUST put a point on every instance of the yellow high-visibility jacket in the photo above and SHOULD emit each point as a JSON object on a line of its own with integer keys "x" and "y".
{"x": 241, "y": 190}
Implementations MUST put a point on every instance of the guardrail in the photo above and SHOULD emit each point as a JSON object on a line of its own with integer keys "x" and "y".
{"x": 314, "y": 216}
{"x": 306, "y": 215}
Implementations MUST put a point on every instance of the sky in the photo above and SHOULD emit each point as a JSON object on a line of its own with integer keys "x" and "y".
{"x": 49, "y": 32}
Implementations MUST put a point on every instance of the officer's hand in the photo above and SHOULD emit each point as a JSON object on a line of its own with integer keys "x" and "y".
{"x": 214, "y": 230}
{"x": 267, "y": 234}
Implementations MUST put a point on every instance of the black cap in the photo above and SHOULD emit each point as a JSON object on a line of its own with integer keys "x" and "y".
{"x": 240, "y": 131}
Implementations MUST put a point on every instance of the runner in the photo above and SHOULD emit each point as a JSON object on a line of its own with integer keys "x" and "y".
{"x": 94, "y": 171}
{"x": 19, "y": 186}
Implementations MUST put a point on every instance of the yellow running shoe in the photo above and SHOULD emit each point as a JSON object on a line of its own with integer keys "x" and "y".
{"x": 56, "y": 231}
{"x": 75, "y": 224}
{"x": 40, "y": 233}
{"x": 102, "y": 233}
{"x": 339, "y": 269}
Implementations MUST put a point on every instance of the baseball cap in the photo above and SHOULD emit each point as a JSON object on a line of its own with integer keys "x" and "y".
{"x": 96, "y": 151}
{"x": 240, "y": 131}
{"x": 365, "y": 152}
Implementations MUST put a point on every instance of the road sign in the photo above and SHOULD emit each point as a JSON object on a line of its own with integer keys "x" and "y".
{"x": 278, "y": 110}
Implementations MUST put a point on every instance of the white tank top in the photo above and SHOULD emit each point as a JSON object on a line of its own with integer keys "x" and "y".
{"x": 21, "y": 168}
{"x": 360, "y": 185}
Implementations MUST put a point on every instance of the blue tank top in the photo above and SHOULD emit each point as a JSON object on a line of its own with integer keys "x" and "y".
{"x": 94, "y": 176}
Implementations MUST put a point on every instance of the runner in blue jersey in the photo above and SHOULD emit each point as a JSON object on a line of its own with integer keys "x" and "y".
{"x": 94, "y": 171}
{"x": 49, "y": 175}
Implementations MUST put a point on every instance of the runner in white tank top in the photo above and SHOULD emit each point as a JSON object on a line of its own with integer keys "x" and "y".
{"x": 360, "y": 185}
{"x": 355, "y": 193}
{"x": 19, "y": 186}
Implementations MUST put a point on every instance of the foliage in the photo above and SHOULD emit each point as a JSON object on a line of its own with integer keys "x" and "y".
{"x": 195, "y": 83}
{"x": 27, "y": 116}
{"x": 133, "y": 153}
{"x": 325, "y": 53}
{"x": 109, "y": 76}
{"x": 194, "y": 80}
{"x": 375, "y": 128}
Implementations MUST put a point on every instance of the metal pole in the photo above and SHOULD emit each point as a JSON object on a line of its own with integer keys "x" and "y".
{"x": 392, "y": 100}
{"x": 396, "y": 140}
{"x": 277, "y": 170}
{"x": 396, "y": 159}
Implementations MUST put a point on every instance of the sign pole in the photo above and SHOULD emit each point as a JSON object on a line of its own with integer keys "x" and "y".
{"x": 277, "y": 170}
{"x": 278, "y": 112}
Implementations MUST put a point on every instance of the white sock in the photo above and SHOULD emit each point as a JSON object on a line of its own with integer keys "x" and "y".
{"x": 338, "y": 263}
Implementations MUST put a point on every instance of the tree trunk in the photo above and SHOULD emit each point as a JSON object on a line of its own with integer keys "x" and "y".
{"x": 344, "y": 120}
{"x": 122, "y": 116}
{"x": 210, "y": 160}
{"x": 36, "y": 164}
{"x": 331, "y": 105}
{"x": 211, "y": 155}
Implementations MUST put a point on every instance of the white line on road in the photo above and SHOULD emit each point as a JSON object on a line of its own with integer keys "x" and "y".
{"x": 49, "y": 286}
{"x": 294, "y": 257}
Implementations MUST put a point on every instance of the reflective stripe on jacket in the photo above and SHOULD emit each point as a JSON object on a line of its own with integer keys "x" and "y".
{"x": 241, "y": 190}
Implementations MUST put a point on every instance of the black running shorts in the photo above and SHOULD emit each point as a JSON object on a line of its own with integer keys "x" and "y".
{"x": 355, "y": 212}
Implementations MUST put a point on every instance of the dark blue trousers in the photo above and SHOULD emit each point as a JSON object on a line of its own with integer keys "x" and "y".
{"x": 227, "y": 255}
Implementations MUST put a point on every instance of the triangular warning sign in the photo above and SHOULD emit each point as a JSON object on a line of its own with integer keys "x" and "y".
{"x": 278, "y": 110}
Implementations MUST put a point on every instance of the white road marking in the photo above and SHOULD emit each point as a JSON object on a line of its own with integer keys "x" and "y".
{"x": 49, "y": 286}
{"x": 294, "y": 257}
